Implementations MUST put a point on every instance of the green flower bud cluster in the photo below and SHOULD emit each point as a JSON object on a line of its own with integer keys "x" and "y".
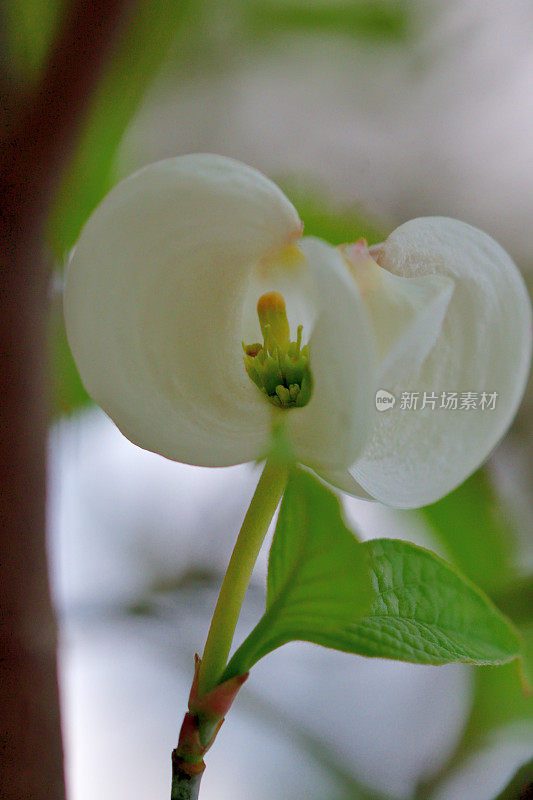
{"x": 279, "y": 367}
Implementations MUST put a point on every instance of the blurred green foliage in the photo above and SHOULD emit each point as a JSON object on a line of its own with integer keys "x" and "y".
{"x": 388, "y": 19}
{"x": 500, "y": 701}
{"x": 516, "y": 599}
{"x": 500, "y": 698}
{"x": 521, "y": 784}
{"x": 476, "y": 530}
{"x": 333, "y": 222}
{"x": 134, "y": 63}
{"x": 29, "y": 30}
{"x": 67, "y": 393}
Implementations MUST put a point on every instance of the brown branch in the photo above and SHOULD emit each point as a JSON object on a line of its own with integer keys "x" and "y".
{"x": 36, "y": 141}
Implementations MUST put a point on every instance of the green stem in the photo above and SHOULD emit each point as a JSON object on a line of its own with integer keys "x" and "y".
{"x": 258, "y": 517}
{"x": 184, "y": 786}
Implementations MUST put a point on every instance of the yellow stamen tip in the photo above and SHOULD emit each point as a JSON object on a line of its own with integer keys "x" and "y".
{"x": 272, "y": 315}
{"x": 279, "y": 368}
{"x": 271, "y": 301}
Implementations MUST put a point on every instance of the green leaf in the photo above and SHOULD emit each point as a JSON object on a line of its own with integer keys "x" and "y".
{"x": 472, "y": 524}
{"x": 318, "y": 578}
{"x": 427, "y": 612}
{"x": 520, "y": 786}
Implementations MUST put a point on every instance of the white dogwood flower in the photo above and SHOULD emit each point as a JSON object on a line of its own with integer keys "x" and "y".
{"x": 192, "y": 259}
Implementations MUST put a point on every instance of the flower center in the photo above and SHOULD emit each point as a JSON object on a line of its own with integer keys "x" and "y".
{"x": 278, "y": 367}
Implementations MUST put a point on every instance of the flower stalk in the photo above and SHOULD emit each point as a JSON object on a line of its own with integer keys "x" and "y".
{"x": 209, "y": 700}
{"x": 258, "y": 517}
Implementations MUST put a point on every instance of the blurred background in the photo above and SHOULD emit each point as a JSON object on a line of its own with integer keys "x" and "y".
{"x": 367, "y": 113}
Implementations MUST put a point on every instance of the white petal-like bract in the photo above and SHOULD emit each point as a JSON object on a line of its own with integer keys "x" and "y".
{"x": 153, "y": 305}
{"x": 331, "y": 430}
{"x": 158, "y": 302}
{"x": 478, "y": 342}
{"x": 161, "y": 292}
